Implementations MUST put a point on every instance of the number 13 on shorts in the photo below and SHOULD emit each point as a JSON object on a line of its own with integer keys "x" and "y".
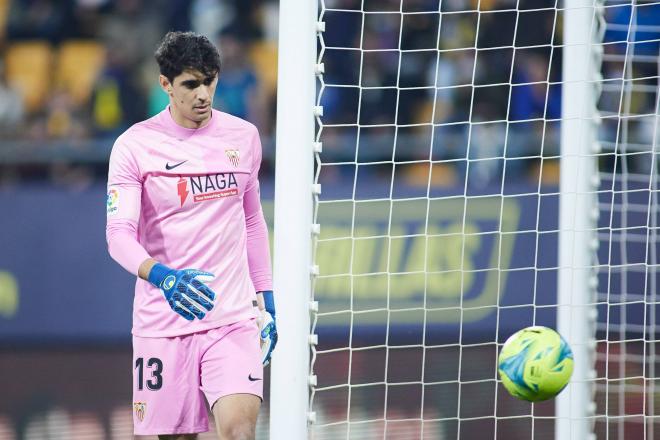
{"x": 155, "y": 368}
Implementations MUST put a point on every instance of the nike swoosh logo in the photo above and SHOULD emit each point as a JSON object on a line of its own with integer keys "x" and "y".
{"x": 252, "y": 379}
{"x": 171, "y": 167}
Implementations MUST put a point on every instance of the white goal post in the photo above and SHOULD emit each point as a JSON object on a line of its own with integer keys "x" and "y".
{"x": 448, "y": 172}
{"x": 578, "y": 212}
{"x": 296, "y": 91}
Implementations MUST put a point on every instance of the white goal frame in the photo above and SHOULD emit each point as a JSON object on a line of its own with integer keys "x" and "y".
{"x": 578, "y": 213}
{"x": 296, "y": 89}
{"x": 294, "y": 271}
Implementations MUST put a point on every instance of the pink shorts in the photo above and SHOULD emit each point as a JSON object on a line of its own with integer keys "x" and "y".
{"x": 172, "y": 376}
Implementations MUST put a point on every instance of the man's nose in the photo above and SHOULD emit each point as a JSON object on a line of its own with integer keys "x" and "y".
{"x": 204, "y": 94}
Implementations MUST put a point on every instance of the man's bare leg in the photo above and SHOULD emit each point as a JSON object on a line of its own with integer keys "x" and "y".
{"x": 236, "y": 416}
{"x": 178, "y": 437}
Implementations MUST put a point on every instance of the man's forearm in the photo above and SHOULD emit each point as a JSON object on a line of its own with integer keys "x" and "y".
{"x": 145, "y": 268}
{"x": 260, "y": 301}
{"x": 124, "y": 246}
{"x": 258, "y": 251}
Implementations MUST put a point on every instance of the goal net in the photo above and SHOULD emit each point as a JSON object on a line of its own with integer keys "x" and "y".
{"x": 626, "y": 390}
{"x": 439, "y": 128}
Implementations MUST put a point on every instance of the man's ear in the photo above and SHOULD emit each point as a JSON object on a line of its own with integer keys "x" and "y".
{"x": 165, "y": 84}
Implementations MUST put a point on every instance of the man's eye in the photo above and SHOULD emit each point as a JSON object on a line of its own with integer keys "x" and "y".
{"x": 208, "y": 81}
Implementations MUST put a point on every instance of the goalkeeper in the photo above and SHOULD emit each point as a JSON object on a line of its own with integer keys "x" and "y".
{"x": 184, "y": 215}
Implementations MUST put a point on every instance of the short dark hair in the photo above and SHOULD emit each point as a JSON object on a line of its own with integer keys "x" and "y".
{"x": 179, "y": 51}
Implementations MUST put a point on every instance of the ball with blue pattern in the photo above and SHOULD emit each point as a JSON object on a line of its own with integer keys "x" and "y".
{"x": 535, "y": 364}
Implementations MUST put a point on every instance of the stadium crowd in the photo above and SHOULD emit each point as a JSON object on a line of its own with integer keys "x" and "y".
{"x": 109, "y": 46}
{"x": 80, "y": 72}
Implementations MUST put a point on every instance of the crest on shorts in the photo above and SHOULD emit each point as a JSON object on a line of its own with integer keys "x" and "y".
{"x": 140, "y": 408}
{"x": 234, "y": 156}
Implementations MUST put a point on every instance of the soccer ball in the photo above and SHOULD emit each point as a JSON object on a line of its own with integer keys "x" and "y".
{"x": 535, "y": 364}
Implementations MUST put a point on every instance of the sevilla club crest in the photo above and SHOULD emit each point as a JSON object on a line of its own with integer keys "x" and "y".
{"x": 233, "y": 156}
{"x": 140, "y": 408}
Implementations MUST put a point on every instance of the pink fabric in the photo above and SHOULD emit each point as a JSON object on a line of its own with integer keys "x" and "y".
{"x": 180, "y": 372}
{"x": 258, "y": 249}
{"x": 189, "y": 198}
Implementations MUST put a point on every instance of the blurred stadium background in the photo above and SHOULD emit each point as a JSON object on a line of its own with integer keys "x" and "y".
{"x": 75, "y": 73}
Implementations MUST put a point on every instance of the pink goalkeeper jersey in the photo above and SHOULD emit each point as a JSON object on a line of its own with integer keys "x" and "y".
{"x": 189, "y": 198}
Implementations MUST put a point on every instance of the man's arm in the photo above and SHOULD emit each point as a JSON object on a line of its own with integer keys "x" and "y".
{"x": 260, "y": 300}
{"x": 258, "y": 251}
{"x": 123, "y": 208}
{"x": 185, "y": 290}
{"x": 145, "y": 268}
{"x": 258, "y": 246}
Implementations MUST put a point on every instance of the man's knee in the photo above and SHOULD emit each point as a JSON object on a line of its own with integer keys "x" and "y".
{"x": 237, "y": 429}
{"x": 178, "y": 437}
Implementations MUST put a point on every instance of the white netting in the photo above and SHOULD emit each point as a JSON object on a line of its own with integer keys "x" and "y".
{"x": 626, "y": 391}
{"x": 439, "y": 215}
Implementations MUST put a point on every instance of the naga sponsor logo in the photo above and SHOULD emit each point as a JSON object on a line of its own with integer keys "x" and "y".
{"x": 182, "y": 189}
{"x": 208, "y": 187}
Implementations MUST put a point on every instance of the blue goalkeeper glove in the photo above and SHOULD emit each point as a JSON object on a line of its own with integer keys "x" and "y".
{"x": 268, "y": 330}
{"x": 185, "y": 290}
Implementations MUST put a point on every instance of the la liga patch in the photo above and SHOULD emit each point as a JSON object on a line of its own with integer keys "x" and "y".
{"x": 112, "y": 202}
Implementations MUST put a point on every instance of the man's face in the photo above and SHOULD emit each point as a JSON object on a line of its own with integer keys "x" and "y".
{"x": 191, "y": 95}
